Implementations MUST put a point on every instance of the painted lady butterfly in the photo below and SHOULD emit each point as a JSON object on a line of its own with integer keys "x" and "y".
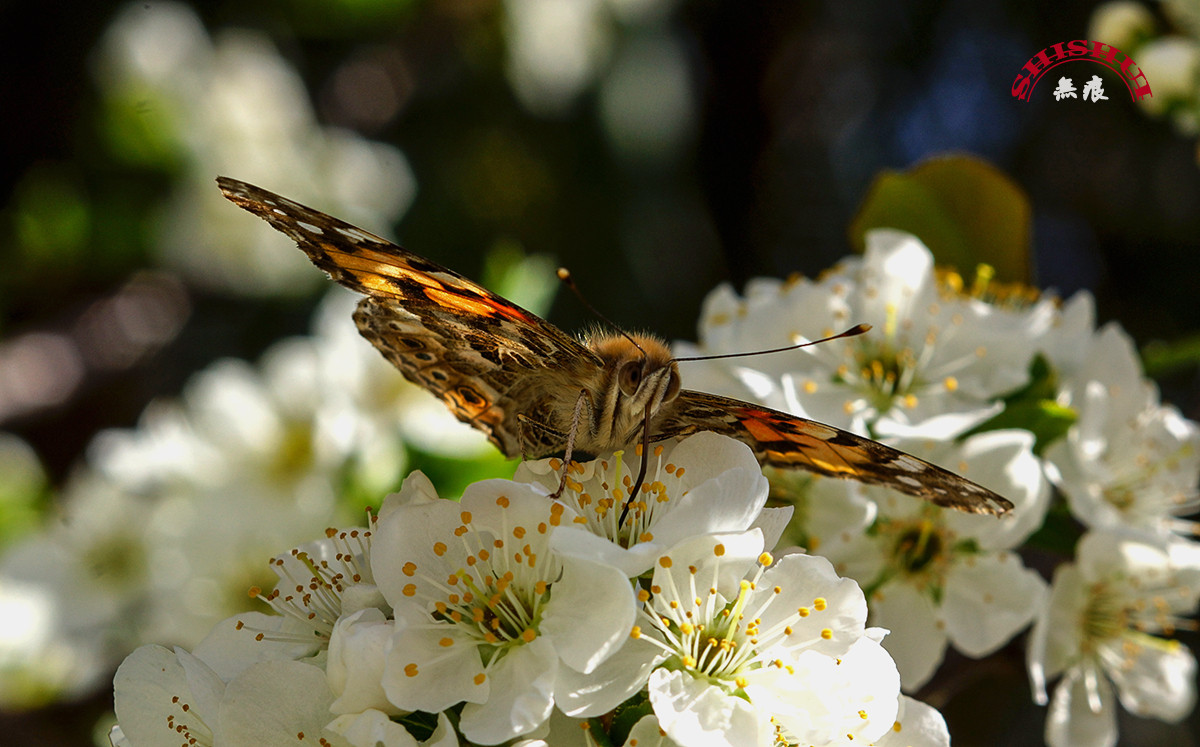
{"x": 530, "y": 386}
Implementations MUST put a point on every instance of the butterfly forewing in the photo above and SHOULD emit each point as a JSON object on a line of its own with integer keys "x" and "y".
{"x": 790, "y": 442}
{"x": 518, "y": 378}
{"x": 488, "y": 359}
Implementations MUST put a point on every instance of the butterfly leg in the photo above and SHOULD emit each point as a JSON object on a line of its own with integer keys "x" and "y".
{"x": 545, "y": 440}
{"x": 571, "y": 434}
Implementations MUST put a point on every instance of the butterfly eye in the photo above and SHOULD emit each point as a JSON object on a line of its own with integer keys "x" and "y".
{"x": 629, "y": 377}
{"x": 673, "y": 386}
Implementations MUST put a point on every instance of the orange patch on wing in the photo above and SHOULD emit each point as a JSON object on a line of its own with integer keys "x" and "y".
{"x": 465, "y": 304}
{"x": 761, "y": 431}
{"x": 840, "y": 468}
{"x": 380, "y": 264}
{"x": 823, "y": 466}
{"x": 461, "y": 405}
{"x": 375, "y": 282}
{"x": 511, "y": 312}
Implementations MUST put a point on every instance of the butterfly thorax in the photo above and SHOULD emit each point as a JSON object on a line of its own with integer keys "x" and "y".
{"x": 636, "y": 377}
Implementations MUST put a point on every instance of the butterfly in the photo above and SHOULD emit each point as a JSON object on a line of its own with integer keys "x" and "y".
{"x": 537, "y": 391}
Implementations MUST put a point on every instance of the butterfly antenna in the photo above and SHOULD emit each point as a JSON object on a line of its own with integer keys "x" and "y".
{"x": 565, "y": 276}
{"x": 854, "y": 331}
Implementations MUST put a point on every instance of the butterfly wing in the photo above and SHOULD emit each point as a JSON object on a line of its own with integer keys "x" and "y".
{"x": 468, "y": 346}
{"x": 787, "y": 441}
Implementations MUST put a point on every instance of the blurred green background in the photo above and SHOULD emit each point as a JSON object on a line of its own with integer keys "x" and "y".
{"x": 654, "y": 147}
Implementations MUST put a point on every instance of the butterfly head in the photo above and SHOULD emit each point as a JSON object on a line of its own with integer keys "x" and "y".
{"x": 644, "y": 371}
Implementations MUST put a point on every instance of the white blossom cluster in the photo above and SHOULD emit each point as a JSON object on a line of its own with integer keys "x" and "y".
{"x": 1168, "y": 57}
{"x": 1021, "y": 394}
{"x": 231, "y": 104}
{"x": 509, "y": 617}
{"x": 159, "y": 533}
{"x": 690, "y": 625}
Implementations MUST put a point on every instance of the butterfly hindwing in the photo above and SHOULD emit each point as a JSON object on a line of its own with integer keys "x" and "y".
{"x": 791, "y": 442}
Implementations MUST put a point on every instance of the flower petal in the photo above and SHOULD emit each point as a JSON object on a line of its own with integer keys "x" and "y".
{"x": 432, "y": 667}
{"x": 917, "y": 725}
{"x": 521, "y": 696}
{"x": 691, "y": 711}
{"x": 1160, "y": 682}
{"x": 358, "y": 651}
{"x": 590, "y": 613}
{"x": 284, "y": 703}
{"x": 917, "y": 641}
{"x": 989, "y": 599}
{"x": 372, "y": 728}
{"x": 1070, "y": 721}
{"x": 150, "y": 688}
{"x": 616, "y": 679}
{"x": 834, "y": 606}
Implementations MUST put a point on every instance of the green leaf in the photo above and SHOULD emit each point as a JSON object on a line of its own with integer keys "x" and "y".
{"x": 25, "y": 494}
{"x": 626, "y": 717}
{"x": 1034, "y": 408}
{"x": 1164, "y": 358}
{"x": 1043, "y": 382}
{"x": 963, "y": 208}
{"x": 452, "y": 476}
{"x": 1046, "y": 419}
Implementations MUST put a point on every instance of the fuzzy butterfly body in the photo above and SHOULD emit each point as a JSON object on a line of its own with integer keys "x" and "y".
{"x": 530, "y": 386}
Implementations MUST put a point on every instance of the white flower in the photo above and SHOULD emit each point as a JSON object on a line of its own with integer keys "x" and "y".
{"x": 255, "y": 458}
{"x": 1139, "y": 473}
{"x": 168, "y": 698}
{"x": 77, "y": 587}
{"x": 758, "y": 650}
{"x": 933, "y": 365}
{"x": 278, "y": 426}
{"x": 935, "y": 576}
{"x": 917, "y": 725}
{"x": 234, "y": 105}
{"x": 323, "y": 580}
{"x": 1127, "y": 460}
{"x": 1101, "y": 629}
{"x": 1068, "y": 341}
{"x": 358, "y": 649}
{"x": 555, "y": 48}
{"x": 488, "y": 613}
{"x": 1107, "y": 356}
{"x": 1122, "y": 24}
{"x": 704, "y": 484}
{"x": 1172, "y": 65}
{"x": 260, "y": 679}
{"x": 276, "y": 430}
{"x": 38, "y": 660}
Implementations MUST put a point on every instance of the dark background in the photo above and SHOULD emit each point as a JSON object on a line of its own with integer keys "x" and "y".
{"x": 797, "y": 107}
